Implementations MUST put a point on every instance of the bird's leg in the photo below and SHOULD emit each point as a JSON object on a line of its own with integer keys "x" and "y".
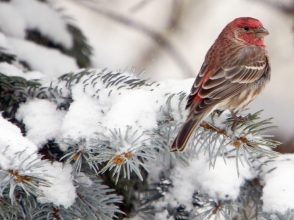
{"x": 238, "y": 119}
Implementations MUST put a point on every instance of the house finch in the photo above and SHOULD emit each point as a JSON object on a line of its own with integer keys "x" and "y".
{"x": 235, "y": 70}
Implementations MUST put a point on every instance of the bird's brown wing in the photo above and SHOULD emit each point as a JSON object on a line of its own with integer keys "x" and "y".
{"x": 197, "y": 83}
{"x": 230, "y": 81}
{"x": 211, "y": 86}
{"x": 225, "y": 82}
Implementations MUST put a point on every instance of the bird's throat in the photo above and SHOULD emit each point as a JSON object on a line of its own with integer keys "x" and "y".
{"x": 251, "y": 40}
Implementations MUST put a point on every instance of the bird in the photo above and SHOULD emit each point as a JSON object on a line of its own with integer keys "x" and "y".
{"x": 235, "y": 70}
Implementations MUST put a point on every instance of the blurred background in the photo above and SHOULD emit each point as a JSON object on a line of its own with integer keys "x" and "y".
{"x": 169, "y": 39}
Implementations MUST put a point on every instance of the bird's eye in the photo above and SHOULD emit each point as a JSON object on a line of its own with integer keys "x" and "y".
{"x": 246, "y": 28}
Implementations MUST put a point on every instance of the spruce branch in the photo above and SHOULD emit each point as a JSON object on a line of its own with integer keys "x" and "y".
{"x": 162, "y": 138}
{"x": 80, "y": 49}
{"x": 215, "y": 137}
{"x": 288, "y": 215}
{"x": 250, "y": 199}
{"x": 115, "y": 80}
{"x": 218, "y": 208}
{"x": 96, "y": 201}
{"x": 24, "y": 178}
{"x": 123, "y": 152}
{"x": 22, "y": 208}
{"x": 6, "y": 57}
{"x": 50, "y": 211}
{"x": 144, "y": 206}
{"x": 13, "y": 92}
{"x": 78, "y": 153}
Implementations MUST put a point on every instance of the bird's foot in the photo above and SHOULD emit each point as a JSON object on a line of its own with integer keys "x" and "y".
{"x": 238, "y": 119}
{"x": 218, "y": 112}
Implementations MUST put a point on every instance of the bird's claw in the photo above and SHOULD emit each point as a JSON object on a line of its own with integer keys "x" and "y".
{"x": 218, "y": 112}
{"x": 238, "y": 119}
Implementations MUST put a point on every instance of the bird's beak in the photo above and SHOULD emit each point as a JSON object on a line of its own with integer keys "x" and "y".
{"x": 260, "y": 32}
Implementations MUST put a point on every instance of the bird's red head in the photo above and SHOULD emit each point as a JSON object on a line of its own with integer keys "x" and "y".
{"x": 248, "y": 30}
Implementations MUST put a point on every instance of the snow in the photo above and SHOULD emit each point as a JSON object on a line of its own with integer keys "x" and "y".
{"x": 42, "y": 120}
{"x": 12, "y": 70}
{"x": 82, "y": 119}
{"x": 96, "y": 108}
{"x": 46, "y": 60}
{"x": 162, "y": 215}
{"x": 3, "y": 41}
{"x": 13, "y": 142}
{"x": 34, "y": 15}
{"x": 221, "y": 182}
{"x": 83, "y": 179}
{"x": 62, "y": 192}
{"x": 278, "y": 193}
{"x": 50, "y": 62}
{"x": 136, "y": 107}
{"x": 39, "y": 16}
{"x": 12, "y": 27}
{"x": 17, "y": 152}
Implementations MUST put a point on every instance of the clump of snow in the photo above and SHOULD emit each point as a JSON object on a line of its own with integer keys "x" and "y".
{"x": 17, "y": 151}
{"x": 13, "y": 142}
{"x": 136, "y": 108}
{"x": 220, "y": 182}
{"x": 42, "y": 120}
{"x": 38, "y": 16}
{"x": 12, "y": 70}
{"x": 46, "y": 60}
{"x": 163, "y": 215}
{"x": 98, "y": 109}
{"x": 3, "y": 41}
{"x": 11, "y": 22}
{"x": 62, "y": 191}
{"x": 33, "y": 15}
{"x": 82, "y": 119}
{"x": 278, "y": 193}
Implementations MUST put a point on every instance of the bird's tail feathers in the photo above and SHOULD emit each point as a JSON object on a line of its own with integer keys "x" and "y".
{"x": 182, "y": 140}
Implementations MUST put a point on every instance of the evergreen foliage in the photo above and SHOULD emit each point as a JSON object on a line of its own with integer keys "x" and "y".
{"x": 103, "y": 155}
{"x": 81, "y": 51}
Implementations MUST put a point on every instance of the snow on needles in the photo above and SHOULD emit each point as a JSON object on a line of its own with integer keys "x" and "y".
{"x": 62, "y": 191}
{"x": 221, "y": 182}
{"x": 11, "y": 142}
{"x": 12, "y": 27}
{"x": 42, "y": 120}
{"x": 17, "y": 153}
{"x": 98, "y": 109}
{"x": 11, "y": 70}
{"x": 33, "y": 15}
{"x": 49, "y": 61}
{"x": 19, "y": 16}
